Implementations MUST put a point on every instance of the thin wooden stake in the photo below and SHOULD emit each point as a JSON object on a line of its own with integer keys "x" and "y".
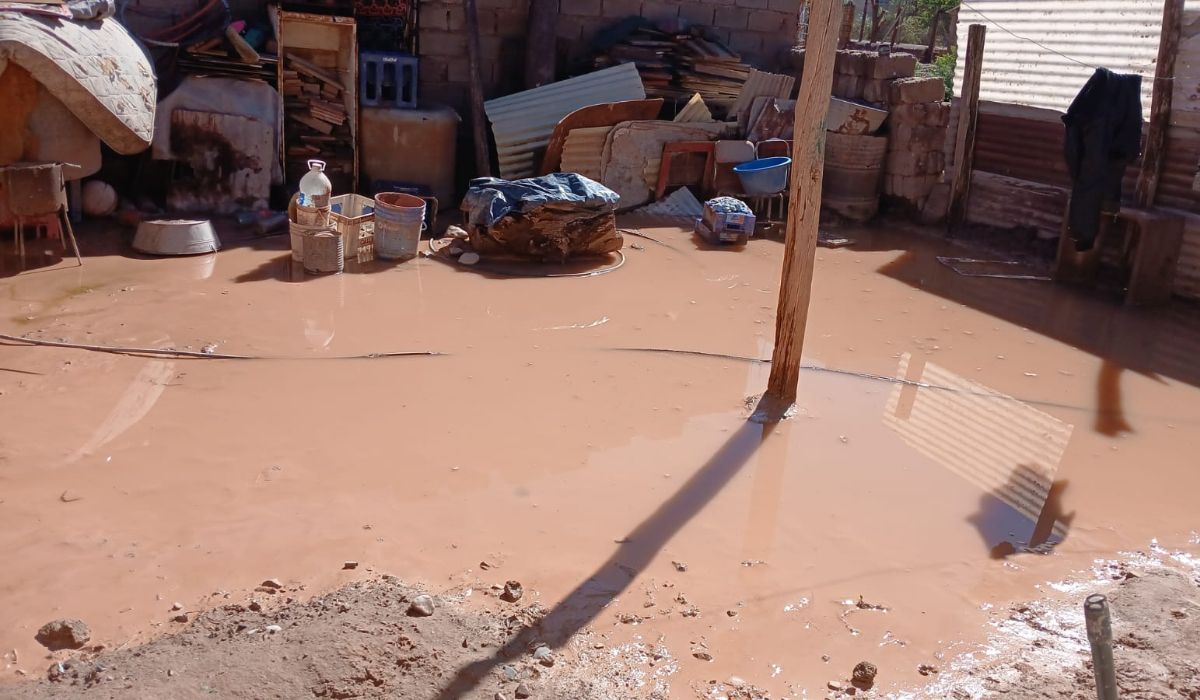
{"x": 483, "y": 158}
{"x": 968, "y": 117}
{"x": 1160, "y": 104}
{"x": 804, "y": 213}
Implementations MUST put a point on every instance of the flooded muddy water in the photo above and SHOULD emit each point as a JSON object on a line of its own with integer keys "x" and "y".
{"x": 959, "y": 441}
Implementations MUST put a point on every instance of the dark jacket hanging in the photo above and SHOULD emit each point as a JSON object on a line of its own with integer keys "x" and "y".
{"x": 1104, "y": 135}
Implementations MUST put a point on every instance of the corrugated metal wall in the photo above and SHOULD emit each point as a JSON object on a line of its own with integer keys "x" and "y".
{"x": 1031, "y": 63}
{"x": 1028, "y": 83}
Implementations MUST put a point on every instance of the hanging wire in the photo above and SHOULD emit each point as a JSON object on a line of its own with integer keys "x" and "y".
{"x": 1039, "y": 44}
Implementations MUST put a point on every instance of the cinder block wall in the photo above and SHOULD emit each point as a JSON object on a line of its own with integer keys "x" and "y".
{"x": 761, "y": 30}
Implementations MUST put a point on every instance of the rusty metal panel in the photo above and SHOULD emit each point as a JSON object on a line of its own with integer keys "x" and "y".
{"x": 1187, "y": 273}
{"x": 1039, "y": 53}
{"x": 523, "y": 122}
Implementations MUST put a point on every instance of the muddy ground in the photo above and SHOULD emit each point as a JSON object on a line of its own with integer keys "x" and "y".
{"x": 371, "y": 640}
{"x": 959, "y": 441}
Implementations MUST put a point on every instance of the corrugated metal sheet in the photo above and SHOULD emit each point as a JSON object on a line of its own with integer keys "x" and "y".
{"x": 694, "y": 111}
{"x": 1025, "y": 58}
{"x": 763, "y": 84}
{"x": 1001, "y": 445}
{"x": 583, "y": 151}
{"x": 523, "y": 122}
{"x": 681, "y": 204}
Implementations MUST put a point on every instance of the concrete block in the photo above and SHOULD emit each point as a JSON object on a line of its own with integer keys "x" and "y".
{"x": 848, "y": 87}
{"x": 768, "y": 21}
{"x": 660, "y": 11}
{"x": 573, "y": 29}
{"x": 791, "y": 6}
{"x": 434, "y": 17}
{"x": 752, "y": 4}
{"x": 851, "y": 63}
{"x": 897, "y": 65}
{"x": 437, "y": 43}
{"x": 915, "y": 90}
{"x": 745, "y": 42}
{"x": 697, "y": 14}
{"x": 582, "y": 8}
{"x": 875, "y": 91}
{"x": 918, "y": 138}
{"x": 915, "y": 188}
{"x": 730, "y": 18}
{"x": 509, "y": 24}
{"x": 937, "y": 205}
{"x": 905, "y": 162}
{"x": 619, "y": 9}
{"x": 921, "y": 114}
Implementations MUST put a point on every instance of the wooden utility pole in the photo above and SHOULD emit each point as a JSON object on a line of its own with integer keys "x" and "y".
{"x": 968, "y": 117}
{"x": 804, "y": 210}
{"x": 1160, "y": 104}
{"x": 539, "y": 43}
{"x": 483, "y": 158}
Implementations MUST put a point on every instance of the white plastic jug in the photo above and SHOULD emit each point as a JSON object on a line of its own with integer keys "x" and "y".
{"x": 315, "y": 187}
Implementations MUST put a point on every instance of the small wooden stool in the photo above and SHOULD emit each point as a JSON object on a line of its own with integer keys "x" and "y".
{"x": 1155, "y": 238}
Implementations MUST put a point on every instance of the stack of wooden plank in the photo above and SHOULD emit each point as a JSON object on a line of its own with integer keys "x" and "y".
{"x": 318, "y": 122}
{"x": 677, "y": 66}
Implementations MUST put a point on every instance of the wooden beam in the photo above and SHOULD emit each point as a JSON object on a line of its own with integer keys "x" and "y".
{"x": 540, "y": 42}
{"x": 1160, "y": 104}
{"x": 968, "y": 117}
{"x": 804, "y": 211}
{"x": 483, "y": 158}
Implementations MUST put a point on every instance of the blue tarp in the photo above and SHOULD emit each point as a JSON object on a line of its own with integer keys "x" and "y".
{"x": 490, "y": 199}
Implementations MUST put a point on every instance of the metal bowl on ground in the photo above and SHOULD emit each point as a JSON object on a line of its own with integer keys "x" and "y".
{"x": 176, "y": 237}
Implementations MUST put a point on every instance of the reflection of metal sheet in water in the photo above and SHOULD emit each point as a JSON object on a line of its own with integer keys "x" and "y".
{"x": 1005, "y": 447}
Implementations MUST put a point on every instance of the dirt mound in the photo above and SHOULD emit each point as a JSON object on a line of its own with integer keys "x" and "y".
{"x": 362, "y": 641}
{"x": 1041, "y": 652}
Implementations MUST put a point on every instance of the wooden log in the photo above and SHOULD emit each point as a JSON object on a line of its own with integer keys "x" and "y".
{"x": 808, "y": 165}
{"x": 1160, "y": 104}
{"x": 483, "y": 159}
{"x": 540, "y": 43}
{"x": 968, "y": 117}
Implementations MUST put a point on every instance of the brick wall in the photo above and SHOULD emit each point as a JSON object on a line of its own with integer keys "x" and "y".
{"x": 761, "y": 30}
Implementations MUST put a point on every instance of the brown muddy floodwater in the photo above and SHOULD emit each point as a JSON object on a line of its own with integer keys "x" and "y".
{"x": 998, "y": 416}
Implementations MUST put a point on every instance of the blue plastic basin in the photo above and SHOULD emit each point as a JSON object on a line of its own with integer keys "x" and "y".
{"x": 765, "y": 175}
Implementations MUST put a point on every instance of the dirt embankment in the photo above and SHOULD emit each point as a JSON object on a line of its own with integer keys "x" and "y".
{"x": 1039, "y": 650}
{"x": 366, "y": 640}
{"x": 375, "y": 639}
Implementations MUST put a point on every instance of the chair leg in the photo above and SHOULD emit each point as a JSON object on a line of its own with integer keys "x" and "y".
{"x": 66, "y": 221}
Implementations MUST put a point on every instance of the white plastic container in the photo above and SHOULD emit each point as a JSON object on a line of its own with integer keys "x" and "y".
{"x": 315, "y": 188}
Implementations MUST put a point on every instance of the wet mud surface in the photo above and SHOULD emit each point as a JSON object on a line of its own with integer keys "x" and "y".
{"x": 958, "y": 442}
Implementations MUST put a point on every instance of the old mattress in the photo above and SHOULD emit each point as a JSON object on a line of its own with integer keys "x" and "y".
{"x": 95, "y": 68}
